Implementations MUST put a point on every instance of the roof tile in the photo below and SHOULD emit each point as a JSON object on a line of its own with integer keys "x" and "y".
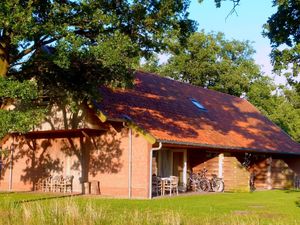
{"x": 163, "y": 107}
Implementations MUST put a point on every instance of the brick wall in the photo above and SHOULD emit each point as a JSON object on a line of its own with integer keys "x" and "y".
{"x": 103, "y": 158}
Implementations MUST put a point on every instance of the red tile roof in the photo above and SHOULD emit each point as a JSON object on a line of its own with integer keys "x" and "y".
{"x": 163, "y": 108}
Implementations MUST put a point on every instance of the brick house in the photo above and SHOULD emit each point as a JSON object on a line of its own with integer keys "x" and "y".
{"x": 162, "y": 127}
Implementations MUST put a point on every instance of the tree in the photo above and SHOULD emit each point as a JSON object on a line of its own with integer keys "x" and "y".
{"x": 211, "y": 61}
{"x": 23, "y": 115}
{"x": 64, "y": 50}
{"x": 279, "y": 104}
{"x": 282, "y": 29}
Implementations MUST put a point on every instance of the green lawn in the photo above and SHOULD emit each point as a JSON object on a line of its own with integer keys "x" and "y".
{"x": 267, "y": 207}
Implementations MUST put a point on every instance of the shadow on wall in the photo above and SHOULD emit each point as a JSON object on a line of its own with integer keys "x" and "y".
{"x": 95, "y": 155}
{"x": 32, "y": 159}
{"x": 283, "y": 174}
{"x": 39, "y": 158}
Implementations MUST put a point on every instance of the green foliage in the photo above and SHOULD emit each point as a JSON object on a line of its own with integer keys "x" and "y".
{"x": 70, "y": 48}
{"x": 282, "y": 29}
{"x": 13, "y": 89}
{"x": 21, "y": 114}
{"x": 74, "y": 27}
{"x": 211, "y": 61}
{"x": 219, "y": 3}
{"x": 20, "y": 121}
{"x": 260, "y": 95}
{"x": 279, "y": 104}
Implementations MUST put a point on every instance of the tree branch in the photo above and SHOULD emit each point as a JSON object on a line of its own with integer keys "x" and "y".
{"x": 34, "y": 47}
{"x": 235, "y": 4}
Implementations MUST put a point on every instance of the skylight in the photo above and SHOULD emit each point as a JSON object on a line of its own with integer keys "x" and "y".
{"x": 198, "y": 104}
{"x": 126, "y": 117}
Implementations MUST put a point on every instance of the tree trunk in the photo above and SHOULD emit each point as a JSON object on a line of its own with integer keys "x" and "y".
{"x": 4, "y": 62}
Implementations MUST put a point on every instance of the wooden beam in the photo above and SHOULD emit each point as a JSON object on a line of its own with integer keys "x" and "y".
{"x": 101, "y": 116}
{"x": 99, "y": 113}
{"x": 151, "y": 139}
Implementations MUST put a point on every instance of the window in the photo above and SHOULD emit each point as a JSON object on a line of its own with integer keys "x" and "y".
{"x": 198, "y": 104}
{"x": 126, "y": 117}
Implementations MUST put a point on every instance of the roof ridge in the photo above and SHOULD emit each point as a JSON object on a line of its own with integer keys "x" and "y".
{"x": 192, "y": 85}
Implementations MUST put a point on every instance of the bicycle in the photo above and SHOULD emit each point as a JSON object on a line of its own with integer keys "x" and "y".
{"x": 252, "y": 182}
{"x": 198, "y": 183}
{"x": 216, "y": 184}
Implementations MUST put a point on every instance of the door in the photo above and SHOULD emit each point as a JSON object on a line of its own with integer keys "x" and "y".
{"x": 178, "y": 166}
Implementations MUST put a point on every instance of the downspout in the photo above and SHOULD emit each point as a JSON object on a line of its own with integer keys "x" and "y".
{"x": 129, "y": 163}
{"x": 150, "y": 168}
{"x": 129, "y": 160}
{"x": 11, "y": 165}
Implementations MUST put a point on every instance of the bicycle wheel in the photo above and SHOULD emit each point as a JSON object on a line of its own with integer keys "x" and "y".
{"x": 203, "y": 185}
{"x": 217, "y": 186}
{"x": 192, "y": 186}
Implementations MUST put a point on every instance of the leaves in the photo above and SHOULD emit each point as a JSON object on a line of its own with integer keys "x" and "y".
{"x": 17, "y": 113}
{"x": 26, "y": 90}
{"x": 211, "y": 61}
{"x": 70, "y": 48}
{"x": 282, "y": 28}
{"x": 20, "y": 121}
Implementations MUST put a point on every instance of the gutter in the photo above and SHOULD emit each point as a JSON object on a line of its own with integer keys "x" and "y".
{"x": 150, "y": 167}
{"x": 223, "y": 147}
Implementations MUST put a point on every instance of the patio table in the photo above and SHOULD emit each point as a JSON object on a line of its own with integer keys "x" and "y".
{"x": 164, "y": 181}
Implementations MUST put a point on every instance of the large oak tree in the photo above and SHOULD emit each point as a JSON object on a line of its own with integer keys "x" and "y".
{"x": 64, "y": 50}
{"x": 210, "y": 61}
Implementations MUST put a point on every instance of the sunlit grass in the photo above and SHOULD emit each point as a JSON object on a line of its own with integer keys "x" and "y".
{"x": 268, "y": 207}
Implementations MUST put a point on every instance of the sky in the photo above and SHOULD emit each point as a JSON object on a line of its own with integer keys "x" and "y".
{"x": 245, "y": 25}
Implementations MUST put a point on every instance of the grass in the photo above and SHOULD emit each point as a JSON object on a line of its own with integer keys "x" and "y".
{"x": 266, "y": 207}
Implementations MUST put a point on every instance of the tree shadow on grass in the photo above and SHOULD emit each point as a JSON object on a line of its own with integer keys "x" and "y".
{"x": 292, "y": 191}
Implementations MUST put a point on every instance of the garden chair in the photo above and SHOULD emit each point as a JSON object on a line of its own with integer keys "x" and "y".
{"x": 66, "y": 184}
{"x": 156, "y": 185}
{"x": 171, "y": 185}
{"x": 55, "y": 183}
{"x": 39, "y": 185}
{"x": 46, "y": 184}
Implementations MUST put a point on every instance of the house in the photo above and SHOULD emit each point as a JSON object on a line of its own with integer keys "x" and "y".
{"x": 162, "y": 127}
